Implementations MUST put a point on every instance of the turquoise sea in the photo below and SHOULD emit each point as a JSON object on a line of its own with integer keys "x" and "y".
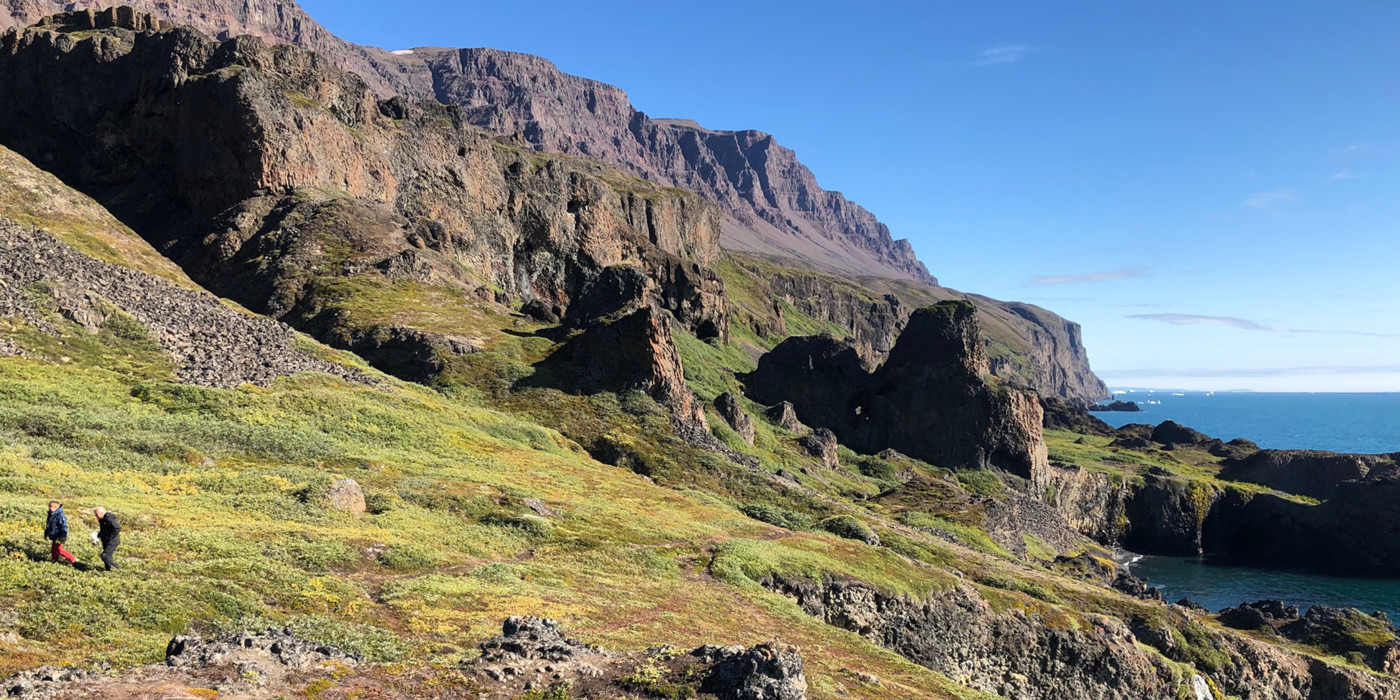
{"x": 1335, "y": 422}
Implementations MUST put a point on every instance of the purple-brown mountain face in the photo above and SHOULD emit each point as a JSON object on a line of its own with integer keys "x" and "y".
{"x": 273, "y": 21}
{"x": 772, "y": 202}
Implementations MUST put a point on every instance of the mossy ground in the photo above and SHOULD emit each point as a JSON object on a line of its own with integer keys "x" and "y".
{"x": 223, "y": 530}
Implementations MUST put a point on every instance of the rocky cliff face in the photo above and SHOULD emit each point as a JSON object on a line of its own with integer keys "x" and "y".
{"x": 772, "y": 202}
{"x": 274, "y": 21}
{"x": 1156, "y": 512}
{"x": 1027, "y": 346}
{"x": 262, "y": 170}
{"x": 930, "y": 400}
{"x": 1030, "y": 655}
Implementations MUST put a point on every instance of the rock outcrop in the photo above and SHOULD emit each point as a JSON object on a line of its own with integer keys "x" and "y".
{"x": 930, "y": 400}
{"x": 1061, "y": 414}
{"x": 1027, "y": 346}
{"x": 728, "y": 407}
{"x": 636, "y": 352}
{"x": 1308, "y": 472}
{"x": 270, "y": 176}
{"x": 533, "y": 654}
{"x": 1349, "y": 498}
{"x": 1021, "y": 654}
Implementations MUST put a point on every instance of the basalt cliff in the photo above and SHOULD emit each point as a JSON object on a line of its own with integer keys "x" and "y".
{"x": 770, "y": 204}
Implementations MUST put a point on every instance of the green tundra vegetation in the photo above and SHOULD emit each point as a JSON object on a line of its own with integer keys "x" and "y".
{"x": 485, "y": 497}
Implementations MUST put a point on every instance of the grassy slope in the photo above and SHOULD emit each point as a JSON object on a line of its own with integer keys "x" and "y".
{"x": 32, "y": 197}
{"x": 221, "y": 494}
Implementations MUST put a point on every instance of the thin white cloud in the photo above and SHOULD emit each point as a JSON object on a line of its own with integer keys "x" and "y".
{"x": 1349, "y": 148}
{"x": 1347, "y": 174}
{"x": 1002, "y": 55}
{"x": 1270, "y": 201}
{"x": 1119, "y": 274}
{"x": 1244, "y": 324}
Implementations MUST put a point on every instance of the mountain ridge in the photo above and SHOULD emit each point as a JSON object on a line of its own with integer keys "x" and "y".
{"x": 772, "y": 202}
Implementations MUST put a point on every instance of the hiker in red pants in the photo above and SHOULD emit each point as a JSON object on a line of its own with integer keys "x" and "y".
{"x": 56, "y": 531}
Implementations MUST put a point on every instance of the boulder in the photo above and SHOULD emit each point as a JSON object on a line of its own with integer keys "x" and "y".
{"x": 345, "y": 494}
{"x": 728, "y": 407}
{"x": 769, "y": 671}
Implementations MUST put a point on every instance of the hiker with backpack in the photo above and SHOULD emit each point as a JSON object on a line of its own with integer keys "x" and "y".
{"x": 56, "y": 531}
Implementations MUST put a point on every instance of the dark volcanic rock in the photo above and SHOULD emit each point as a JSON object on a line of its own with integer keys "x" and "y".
{"x": 929, "y": 400}
{"x": 729, "y": 410}
{"x": 1061, "y": 414}
{"x": 764, "y": 672}
{"x": 1236, "y": 449}
{"x": 534, "y": 654}
{"x": 822, "y": 444}
{"x": 531, "y": 638}
{"x": 786, "y": 417}
{"x": 637, "y": 352}
{"x": 1173, "y": 433}
{"x": 1125, "y": 406}
{"x": 277, "y": 646}
{"x": 1307, "y": 472}
{"x": 273, "y": 177}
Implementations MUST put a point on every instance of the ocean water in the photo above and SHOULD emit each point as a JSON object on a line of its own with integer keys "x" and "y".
{"x": 1219, "y": 585}
{"x": 1336, "y": 422}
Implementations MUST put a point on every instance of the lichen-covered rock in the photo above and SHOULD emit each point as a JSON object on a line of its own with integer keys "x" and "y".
{"x": 764, "y": 672}
{"x": 345, "y": 494}
{"x": 253, "y": 650}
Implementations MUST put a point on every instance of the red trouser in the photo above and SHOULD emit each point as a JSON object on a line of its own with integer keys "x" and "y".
{"x": 59, "y": 551}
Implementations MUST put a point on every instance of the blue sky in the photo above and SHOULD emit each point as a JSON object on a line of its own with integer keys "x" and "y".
{"x": 1206, "y": 186}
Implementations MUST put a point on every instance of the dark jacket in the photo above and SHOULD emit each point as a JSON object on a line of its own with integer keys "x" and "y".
{"x": 109, "y": 530}
{"x": 57, "y": 527}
